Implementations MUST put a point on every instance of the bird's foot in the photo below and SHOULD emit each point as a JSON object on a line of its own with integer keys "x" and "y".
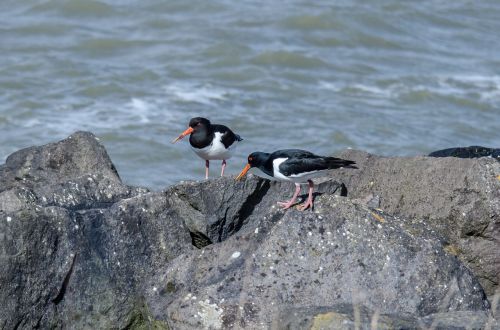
{"x": 286, "y": 205}
{"x": 305, "y": 206}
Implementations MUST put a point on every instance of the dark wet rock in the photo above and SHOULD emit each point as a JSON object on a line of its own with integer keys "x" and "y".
{"x": 457, "y": 198}
{"x": 80, "y": 249}
{"x": 84, "y": 269}
{"x": 467, "y": 152}
{"x": 341, "y": 253}
{"x": 219, "y": 208}
{"x": 75, "y": 243}
{"x": 75, "y": 173}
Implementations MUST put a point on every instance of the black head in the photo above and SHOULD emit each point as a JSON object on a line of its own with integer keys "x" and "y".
{"x": 199, "y": 122}
{"x": 257, "y": 158}
{"x": 196, "y": 125}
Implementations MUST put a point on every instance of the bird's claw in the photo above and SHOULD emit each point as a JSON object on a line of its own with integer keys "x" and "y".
{"x": 304, "y": 206}
{"x": 285, "y": 205}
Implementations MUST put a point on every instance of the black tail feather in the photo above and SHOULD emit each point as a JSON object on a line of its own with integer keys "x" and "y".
{"x": 334, "y": 163}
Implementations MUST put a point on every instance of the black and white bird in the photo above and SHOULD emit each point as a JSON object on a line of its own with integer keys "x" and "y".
{"x": 294, "y": 165}
{"x": 210, "y": 141}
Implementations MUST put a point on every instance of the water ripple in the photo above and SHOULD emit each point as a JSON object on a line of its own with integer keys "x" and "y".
{"x": 390, "y": 77}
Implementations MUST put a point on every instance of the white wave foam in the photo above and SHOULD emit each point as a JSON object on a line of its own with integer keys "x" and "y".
{"x": 330, "y": 86}
{"x": 30, "y": 123}
{"x": 204, "y": 94}
{"x": 141, "y": 108}
{"x": 374, "y": 90}
{"x": 487, "y": 87}
{"x": 108, "y": 117}
{"x": 78, "y": 119}
{"x": 356, "y": 88}
{"x": 475, "y": 80}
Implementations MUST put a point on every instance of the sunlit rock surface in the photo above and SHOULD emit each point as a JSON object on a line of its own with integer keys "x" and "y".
{"x": 458, "y": 199}
{"x": 81, "y": 249}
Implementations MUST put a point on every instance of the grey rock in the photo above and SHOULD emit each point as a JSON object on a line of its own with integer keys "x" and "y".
{"x": 79, "y": 154}
{"x": 459, "y": 321}
{"x": 74, "y": 173}
{"x": 467, "y": 152}
{"x": 217, "y": 209}
{"x": 340, "y": 254}
{"x": 75, "y": 243}
{"x": 80, "y": 249}
{"x": 345, "y": 316}
{"x": 342, "y": 316}
{"x": 84, "y": 268}
{"x": 457, "y": 198}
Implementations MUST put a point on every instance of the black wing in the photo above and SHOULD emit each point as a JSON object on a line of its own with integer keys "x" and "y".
{"x": 293, "y": 153}
{"x": 228, "y": 136}
{"x": 301, "y": 161}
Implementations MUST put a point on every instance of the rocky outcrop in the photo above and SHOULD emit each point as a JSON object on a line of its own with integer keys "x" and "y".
{"x": 80, "y": 249}
{"x": 217, "y": 209}
{"x": 76, "y": 243}
{"x": 457, "y": 198}
{"x": 467, "y": 152}
{"x": 343, "y": 252}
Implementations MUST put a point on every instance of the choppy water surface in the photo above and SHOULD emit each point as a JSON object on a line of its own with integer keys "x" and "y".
{"x": 391, "y": 77}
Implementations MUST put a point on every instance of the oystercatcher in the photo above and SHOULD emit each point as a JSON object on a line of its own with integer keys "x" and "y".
{"x": 210, "y": 141}
{"x": 295, "y": 165}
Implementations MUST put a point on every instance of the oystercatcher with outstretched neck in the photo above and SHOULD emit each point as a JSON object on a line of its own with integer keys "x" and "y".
{"x": 295, "y": 165}
{"x": 210, "y": 141}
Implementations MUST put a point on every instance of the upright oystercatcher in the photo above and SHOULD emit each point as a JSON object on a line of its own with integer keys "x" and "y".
{"x": 210, "y": 141}
{"x": 295, "y": 165}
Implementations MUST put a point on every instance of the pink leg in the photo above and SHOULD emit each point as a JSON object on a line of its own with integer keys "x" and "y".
{"x": 223, "y": 167}
{"x": 288, "y": 204}
{"x": 207, "y": 165}
{"x": 309, "y": 201}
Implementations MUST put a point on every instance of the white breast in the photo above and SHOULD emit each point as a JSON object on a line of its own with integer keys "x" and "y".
{"x": 216, "y": 150}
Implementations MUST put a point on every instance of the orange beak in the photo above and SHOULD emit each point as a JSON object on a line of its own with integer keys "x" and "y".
{"x": 183, "y": 134}
{"x": 244, "y": 172}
